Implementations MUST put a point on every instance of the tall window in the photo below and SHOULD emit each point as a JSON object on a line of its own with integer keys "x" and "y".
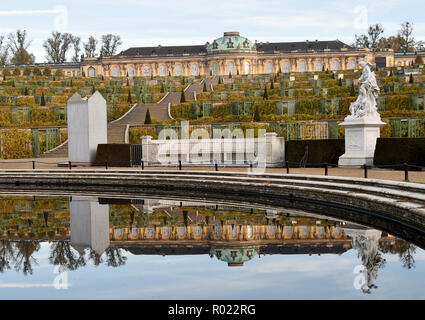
{"x": 215, "y": 69}
{"x": 178, "y": 70}
{"x": 335, "y": 65}
{"x": 91, "y": 72}
{"x": 231, "y": 68}
{"x": 285, "y": 67}
{"x": 247, "y": 67}
{"x": 163, "y": 70}
{"x": 302, "y": 66}
{"x": 318, "y": 66}
{"x": 115, "y": 71}
{"x": 269, "y": 67}
{"x": 146, "y": 71}
{"x": 352, "y": 64}
{"x": 195, "y": 69}
{"x": 130, "y": 71}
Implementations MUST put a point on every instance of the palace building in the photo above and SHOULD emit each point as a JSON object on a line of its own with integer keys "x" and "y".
{"x": 232, "y": 54}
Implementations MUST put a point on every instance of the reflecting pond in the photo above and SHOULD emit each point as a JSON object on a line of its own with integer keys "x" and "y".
{"x": 75, "y": 247}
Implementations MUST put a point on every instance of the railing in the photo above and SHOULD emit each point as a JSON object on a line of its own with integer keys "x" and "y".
{"x": 288, "y": 167}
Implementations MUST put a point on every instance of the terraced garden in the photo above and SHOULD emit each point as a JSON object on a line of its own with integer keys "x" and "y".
{"x": 296, "y": 106}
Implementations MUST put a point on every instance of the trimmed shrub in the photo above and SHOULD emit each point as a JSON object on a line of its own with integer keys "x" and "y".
{"x": 319, "y": 151}
{"x": 136, "y": 133}
{"x": 392, "y": 151}
{"x": 16, "y": 144}
{"x": 117, "y": 155}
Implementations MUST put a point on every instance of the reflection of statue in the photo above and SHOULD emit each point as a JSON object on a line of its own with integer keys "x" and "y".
{"x": 367, "y": 248}
{"x": 365, "y": 105}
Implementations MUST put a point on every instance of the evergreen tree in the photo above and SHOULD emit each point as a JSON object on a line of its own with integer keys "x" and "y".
{"x": 128, "y": 83}
{"x": 43, "y": 101}
{"x": 148, "y": 119}
{"x": 183, "y": 98}
{"x": 205, "y": 87}
{"x": 352, "y": 90}
{"x": 93, "y": 90}
{"x": 271, "y": 84}
{"x": 257, "y": 114}
{"x": 162, "y": 88}
{"x": 26, "y": 91}
{"x": 411, "y": 78}
{"x": 265, "y": 95}
{"x": 230, "y": 75}
{"x": 340, "y": 82}
{"x": 70, "y": 83}
{"x": 129, "y": 100}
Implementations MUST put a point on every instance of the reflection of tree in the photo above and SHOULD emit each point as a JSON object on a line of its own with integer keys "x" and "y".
{"x": 6, "y": 254}
{"x": 406, "y": 256}
{"x": 115, "y": 257}
{"x": 404, "y": 249}
{"x": 61, "y": 254}
{"x": 95, "y": 257}
{"x": 24, "y": 259}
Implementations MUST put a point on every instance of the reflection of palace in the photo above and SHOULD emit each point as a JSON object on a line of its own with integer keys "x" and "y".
{"x": 229, "y": 234}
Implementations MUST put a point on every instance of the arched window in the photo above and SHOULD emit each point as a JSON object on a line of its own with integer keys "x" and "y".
{"x": 335, "y": 65}
{"x": 272, "y": 231}
{"x": 178, "y": 70}
{"x": 248, "y": 231}
{"x": 215, "y": 69}
{"x": 181, "y": 231}
{"x": 218, "y": 231}
{"x": 352, "y": 64}
{"x": 115, "y": 71}
{"x": 318, "y": 66}
{"x": 165, "y": 231}
{"x": 130, "y": 71}
{"x": 163, "y": 70}
{"x": 247, "y": 67}
{"x": 198, "y": 231}
{"x": 269, "y": 67}
{"x": 150, "y": 232}
{"x": 146, "y": 71}
{"x": 302, "y": 66}
{"x": 195, "y": 69}
{"x": 285, "y": 67}
{"x": 231, "y": 68}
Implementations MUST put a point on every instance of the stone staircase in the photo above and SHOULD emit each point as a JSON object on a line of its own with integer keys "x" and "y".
{"x": 136, "y": 116}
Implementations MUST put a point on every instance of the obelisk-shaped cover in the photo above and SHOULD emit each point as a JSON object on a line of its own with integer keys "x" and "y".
{"x": 87, "y": 127}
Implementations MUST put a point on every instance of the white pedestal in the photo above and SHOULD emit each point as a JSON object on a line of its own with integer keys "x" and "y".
{"x": 87, "y": 127}
{"x": 360, "y": 141}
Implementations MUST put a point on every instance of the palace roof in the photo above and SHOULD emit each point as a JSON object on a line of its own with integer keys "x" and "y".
{"x": 233, "y": 41}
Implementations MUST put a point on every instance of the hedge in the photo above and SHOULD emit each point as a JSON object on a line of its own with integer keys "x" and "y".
{"x": 319, "y": 151}
{"x": 117, "y": 155}
{"x": 391, "y": 151}
{"x": 16, "y": 144}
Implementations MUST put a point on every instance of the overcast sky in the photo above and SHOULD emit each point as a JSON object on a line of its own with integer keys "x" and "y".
{"x": 166, "y": 22}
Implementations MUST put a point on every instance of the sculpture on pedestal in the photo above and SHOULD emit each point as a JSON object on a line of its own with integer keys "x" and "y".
{"x": 362, "y": 127}
{"x": 365, "y": 105}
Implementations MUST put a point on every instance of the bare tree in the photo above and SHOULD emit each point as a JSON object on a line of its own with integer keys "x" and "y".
{"x": 362, "y": 41}
{"x": 76, "y": 45}
{"x": 375, "y": 32}
{"x": 110, "y": 44}
{"x": 90, "y": 47}
{"x": 4, "y": 52}
{"x": 407, "y": 43}
{"x": 18, "y": 45}
{"x": 371, "y": 40}
{"x": 57, "y": 46}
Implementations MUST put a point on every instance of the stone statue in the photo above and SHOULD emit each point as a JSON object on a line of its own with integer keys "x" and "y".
{"x": 365, "y": 105}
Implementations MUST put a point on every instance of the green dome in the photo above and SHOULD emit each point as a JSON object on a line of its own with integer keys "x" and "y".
{"x": 235, "y": 257}
{"x": 231, "y": 41}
